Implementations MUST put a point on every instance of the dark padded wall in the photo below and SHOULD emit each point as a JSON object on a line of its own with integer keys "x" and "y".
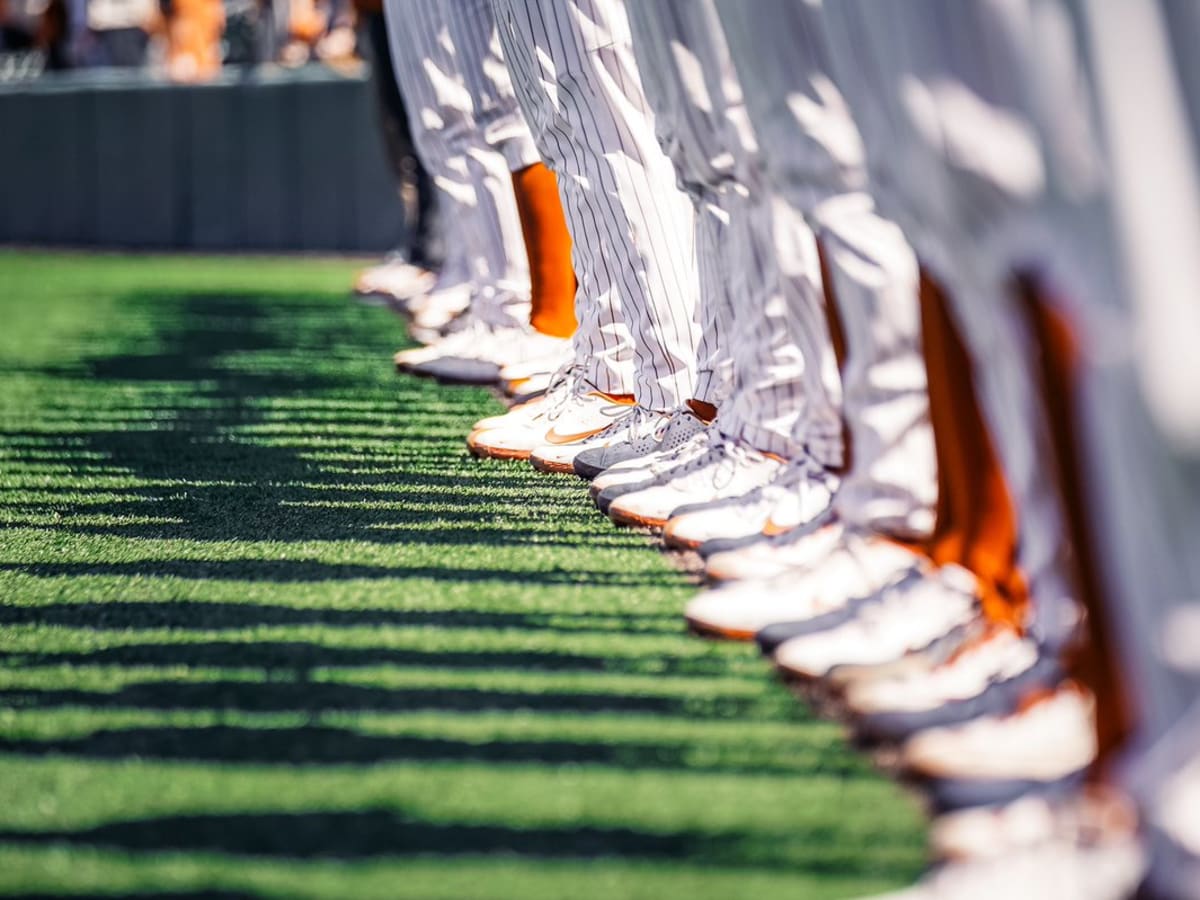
{"x": 267, "y": 161}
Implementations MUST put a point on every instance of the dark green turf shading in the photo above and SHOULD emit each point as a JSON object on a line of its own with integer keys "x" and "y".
{"x": 266, "y": 630}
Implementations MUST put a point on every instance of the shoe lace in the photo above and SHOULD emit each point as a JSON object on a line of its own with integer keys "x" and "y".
{"x": 564, "y": 385}
{"x": 714, "y": 452}
{"x": 629, "y": 426}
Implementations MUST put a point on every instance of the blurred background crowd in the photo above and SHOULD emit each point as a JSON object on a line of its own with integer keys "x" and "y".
{"x": 184, "y": 40}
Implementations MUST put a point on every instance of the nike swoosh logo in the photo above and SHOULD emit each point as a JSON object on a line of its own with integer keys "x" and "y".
{"x": 553, "y": 437}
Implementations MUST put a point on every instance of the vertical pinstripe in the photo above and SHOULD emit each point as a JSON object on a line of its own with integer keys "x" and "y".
{"x": 784, "y": 382}
{"x": 574, "y": 72}
{"x": 697, "y": 105}
{"x": 468, "y": 158}
{"x": 813, "y": 158}
{"x": 927, "y": 46}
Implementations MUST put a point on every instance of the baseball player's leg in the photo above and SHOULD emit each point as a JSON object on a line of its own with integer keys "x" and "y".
{"x": 502, "y": 127}
{"x": 441, "y": 117}
{"x": 700, "y": 122}
{"x": 785, "y": 371}
{"x": 578, "y": 82}
{"x": 814, "y": 157}
{"x": 603, "y": 346}
{"x": 500, "y": 143}
{"x": 871, "y": 278}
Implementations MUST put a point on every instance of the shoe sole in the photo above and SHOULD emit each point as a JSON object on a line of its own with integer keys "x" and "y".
{"x": 634, "y": 520}
{"x": 482, "y": 452}
{"x": 704, "y": 629}
{"x": 676, "y": 542}
{"x": 550, "y": 467}
{"x": 586, "y": 472}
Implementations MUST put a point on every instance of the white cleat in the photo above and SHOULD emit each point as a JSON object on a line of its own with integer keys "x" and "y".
{"x": 475, "y": 353}
{"x": 1061, "y": 869}
{"x": 906, "y": 617}
{"x": 798, "y": 494}
{"x": 570, "y": 412}
{"x": 395, "y": 279}
{"x": 516, "y": 415}
{"x": 684, "y": 439}
{"x": 536, "y": 373}
{"x": 729, "y": 469}
{"x": 637, "y": 425}
{"x": 1000, "y": 655}
{"x": 669, "y": 434}
{"x": 994, "y": 759}
{"x": 846, "y": 568}
{"x": 433, "y": 313}
{"x": 1028, "y": 822}
{"x": 773, "y": 556}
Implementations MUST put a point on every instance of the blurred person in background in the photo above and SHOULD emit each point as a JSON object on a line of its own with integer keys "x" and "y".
{"x": 113, "y": 33}
{"x": 193, "y": 29}
{"x": 321, "y": 30}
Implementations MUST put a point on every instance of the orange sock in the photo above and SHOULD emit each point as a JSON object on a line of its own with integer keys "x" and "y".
{"x": 976, "y": 521}
{"x": 548, "y": 244}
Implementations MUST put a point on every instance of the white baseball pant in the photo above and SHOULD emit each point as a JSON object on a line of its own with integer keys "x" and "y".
{"x": 813, "y": 160}
{"x": 573, "y": 69}
{"x": 445, "y": 59}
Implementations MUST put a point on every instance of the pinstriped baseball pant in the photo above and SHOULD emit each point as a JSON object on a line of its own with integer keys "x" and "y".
{"x": 469, "y": 132}
{"x": 700, "y": 123}
{"x": 813, "y": 162}
{"x": 753, "y": 299}
{"x": 574, "y": 73}
{"x": 913, "y": 44}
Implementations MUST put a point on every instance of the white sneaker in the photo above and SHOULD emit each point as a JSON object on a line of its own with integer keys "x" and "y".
{"x": 1095, "y": 812}
{"x": 516, "y": 415}
{"x": 907, "y": 616}
{"x": 1051, "y": 739}
{"x": 396, "y": 279}
{"x": 999, "y": 656}
{"x": 572, "y": 411}
{"x": 1061, "y": 869}
{"x": 462, "y": 340}
{"x": 476, "y": 352}
{"x": 529, "y": 387}
{"x": 684, "y": 439}
{"x": 852, "y": 568}
{"x": 671, "y": 431}
{"x": 433, "y": 313}
{"x": 729, "y": 469}
{"x": 638, "y": 424}
{"x": 773, "y": 556}
{"x": 799, "y": 493}
{"x": 536, "y": 373}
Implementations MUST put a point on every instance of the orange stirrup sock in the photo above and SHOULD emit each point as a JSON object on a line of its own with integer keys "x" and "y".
{"x": 548, "y": 244}
{"x": 976, "y": 521}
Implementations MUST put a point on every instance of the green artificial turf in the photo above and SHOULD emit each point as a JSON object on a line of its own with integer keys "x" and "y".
{"x": 267, "y": 630}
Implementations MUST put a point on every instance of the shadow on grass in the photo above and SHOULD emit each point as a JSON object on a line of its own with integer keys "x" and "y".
{"x": 326, "y": 745}
{"x": 209, "y": 402}
{"x": 375, "y": 834}
{"x": 195, "y": 415}
{"x": 116, "y": 615}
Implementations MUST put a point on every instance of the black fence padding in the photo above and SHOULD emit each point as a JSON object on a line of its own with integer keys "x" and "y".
{"x": 260, "y": 160}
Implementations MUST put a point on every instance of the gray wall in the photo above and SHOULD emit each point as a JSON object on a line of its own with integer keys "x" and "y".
{"x": 266, "y": 161}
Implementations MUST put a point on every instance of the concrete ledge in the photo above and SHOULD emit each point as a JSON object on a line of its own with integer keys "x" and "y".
{"x": 268, "y": 160}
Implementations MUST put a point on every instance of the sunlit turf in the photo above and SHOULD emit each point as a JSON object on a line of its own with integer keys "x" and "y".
{"x": 267, "y": 630}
